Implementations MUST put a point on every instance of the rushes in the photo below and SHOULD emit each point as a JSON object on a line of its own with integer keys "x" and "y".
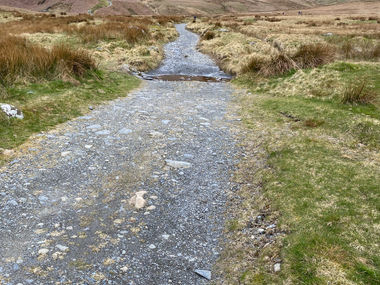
{"x": 307, "y": 56}
{"x": 358, "y": 93}
{"x": 22, "y": 60}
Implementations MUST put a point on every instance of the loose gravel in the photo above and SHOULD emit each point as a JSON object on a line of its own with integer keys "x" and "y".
{"x": 133, "y": 193}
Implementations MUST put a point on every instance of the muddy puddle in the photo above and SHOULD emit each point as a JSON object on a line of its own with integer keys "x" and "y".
{"x": 174, "y": 77}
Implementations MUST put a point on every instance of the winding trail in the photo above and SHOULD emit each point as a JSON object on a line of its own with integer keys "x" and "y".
{"x": 65, "y": 214}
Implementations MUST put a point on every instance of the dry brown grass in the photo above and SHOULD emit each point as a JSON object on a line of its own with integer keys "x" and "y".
{"x": 111, "y": 31}
{"x": 358, "y": 93}
{"x": 307, "y": 56}
{"x": 209, "y": 35}
{"x": 22, "y": 60}
{"x": 89, "y": 29}
{"x": 313, "y": 55}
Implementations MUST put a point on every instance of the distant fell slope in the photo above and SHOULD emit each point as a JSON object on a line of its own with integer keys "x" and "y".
{"x": 146, "y": 7}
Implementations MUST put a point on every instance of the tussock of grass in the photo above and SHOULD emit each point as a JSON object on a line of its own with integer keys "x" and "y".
{"x": 22, "y": 60}
{"x": 209, "y": 35}
{"x": 307, "y": 56}
{"x": 358, "y": 92}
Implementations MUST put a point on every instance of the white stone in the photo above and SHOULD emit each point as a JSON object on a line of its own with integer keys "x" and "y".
{"x": 155, "y": 134}
{"x": 88, "y": 146}
{"x": 277, "y": 267}
{"x": 178, "y": 164}
{"x": 62, "y": 247}
{"x": 124, "y": 269}
{"x": 65, "y": 153}
{"x": 11, "y": 111}
{"x": 150, "y": 208}
{"x": 152, "y": 246}
{"x": 165, "y": 236}
{"x": 204, "y": 273}
{"x": 138, "y": 200}
{"x": 125, "y": 131}
{"x": 43, "y": 251}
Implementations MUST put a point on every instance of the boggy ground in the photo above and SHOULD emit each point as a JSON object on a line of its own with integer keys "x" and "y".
{"x": 65, "y": 210}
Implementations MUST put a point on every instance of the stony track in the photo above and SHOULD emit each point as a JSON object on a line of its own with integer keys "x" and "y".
{"x": 66, "y": 215}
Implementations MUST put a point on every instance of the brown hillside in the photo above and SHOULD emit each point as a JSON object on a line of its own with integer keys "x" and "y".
{"x": 146, "y": 7}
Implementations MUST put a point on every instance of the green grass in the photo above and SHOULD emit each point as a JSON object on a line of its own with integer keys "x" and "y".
{"x": 47, "y": 104}
{"x": 323, "y": 179}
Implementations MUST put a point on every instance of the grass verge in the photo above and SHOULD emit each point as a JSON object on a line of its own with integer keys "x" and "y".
{"x": 310, "y": 197}
{"x": 50, "y": 103}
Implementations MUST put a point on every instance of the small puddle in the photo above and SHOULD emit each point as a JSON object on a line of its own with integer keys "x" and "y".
{"x": 173, "y": 77}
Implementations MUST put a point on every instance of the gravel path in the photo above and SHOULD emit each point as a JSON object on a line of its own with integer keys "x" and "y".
{"x": 68, "y": 202}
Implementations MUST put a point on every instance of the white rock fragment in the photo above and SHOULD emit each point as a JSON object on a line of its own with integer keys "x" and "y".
{"x": 88, "y": 146}
{"x": 124, "y": 269}
{"x": 204, "y": 273}
{"x": 11, "y": 111}
{"x": 165, "y": 236}
{"x": 150, "y": 208}
{"x": 64, "y": 199}
{"x": 43, "y": 251}
{"x": 277, "y": 267}
{"x": 152, "y": 246}
{"x": 261, "y": 231}
{"x": 62, "y": 247}
{"x": 125, "y": 131}
{"x": 178, "y": 164}
{"x": 138, "y": 200}
{"x": 155, "y": 134}
{"x": 65, "y": 153}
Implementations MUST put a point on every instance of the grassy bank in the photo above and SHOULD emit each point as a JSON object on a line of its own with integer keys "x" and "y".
{"x": 320, "y": 188}
{"x": 54, "y": 66}
{"x": 308, "y": 208}
{"x": 46, "y": 104}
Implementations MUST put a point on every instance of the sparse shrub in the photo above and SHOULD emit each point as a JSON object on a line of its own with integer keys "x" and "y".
{"x": 209, "y": 35}
{"x": 358, "y": 93}
{"x": 314, "y": 55}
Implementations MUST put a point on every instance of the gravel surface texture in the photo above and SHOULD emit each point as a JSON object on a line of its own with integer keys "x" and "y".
{"x": 182, "y": 58}
{"x": 132, "y": 193}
